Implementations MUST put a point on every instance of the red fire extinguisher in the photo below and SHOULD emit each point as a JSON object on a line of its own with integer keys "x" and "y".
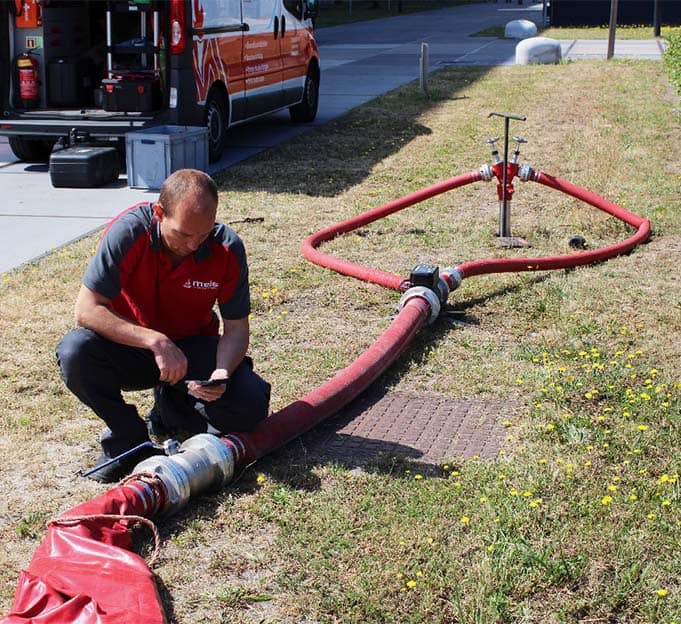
{"x": 28, "y": 79}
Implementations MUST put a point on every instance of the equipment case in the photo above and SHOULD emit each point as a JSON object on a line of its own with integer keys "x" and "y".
{"x": 84, "y": 166}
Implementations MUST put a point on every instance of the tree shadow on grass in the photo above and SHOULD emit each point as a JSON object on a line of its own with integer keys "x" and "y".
{"x": 327, "y": 161}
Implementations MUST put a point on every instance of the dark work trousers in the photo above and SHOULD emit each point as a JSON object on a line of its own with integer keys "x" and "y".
{"x": 96, "y": 370}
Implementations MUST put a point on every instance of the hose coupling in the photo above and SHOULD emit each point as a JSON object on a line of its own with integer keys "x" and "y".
{"x": 526, "y": 172}
{"x": 486, "y": 172}
{"x": 202, "y": 462}
{"x": 453, "y": 277}
{"x": 431, "y": 298}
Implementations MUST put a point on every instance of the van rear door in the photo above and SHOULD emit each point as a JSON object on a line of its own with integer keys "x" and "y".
{"x": 293, "y": 52}
{"x": 262, "y": 56}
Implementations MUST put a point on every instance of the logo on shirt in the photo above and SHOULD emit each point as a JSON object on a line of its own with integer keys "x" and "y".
{"x": 199, "y": 285}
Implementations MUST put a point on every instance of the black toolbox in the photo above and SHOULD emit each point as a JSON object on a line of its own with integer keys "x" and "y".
{"x": 84, "y": 166}
{"x": 131, "y": 93}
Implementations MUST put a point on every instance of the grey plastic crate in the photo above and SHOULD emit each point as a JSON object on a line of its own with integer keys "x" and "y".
{"x": 154, "y": 153}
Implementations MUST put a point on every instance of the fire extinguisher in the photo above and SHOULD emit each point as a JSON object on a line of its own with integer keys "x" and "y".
{"x": 27, "y": 77}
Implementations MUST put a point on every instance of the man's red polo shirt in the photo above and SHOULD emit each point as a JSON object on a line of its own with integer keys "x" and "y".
{"x": 130, "y": 268}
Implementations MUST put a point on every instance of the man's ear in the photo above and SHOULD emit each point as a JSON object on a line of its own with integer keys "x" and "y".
{"x": 157, "y": 207}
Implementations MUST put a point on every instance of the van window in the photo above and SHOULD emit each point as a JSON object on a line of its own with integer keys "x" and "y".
{"x": 217, "y": 13}
{"x": 259, "y": 14}
{"x": 295, "y": 7}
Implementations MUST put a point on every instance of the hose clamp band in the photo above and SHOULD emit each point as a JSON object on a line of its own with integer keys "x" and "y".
{"x": 423, "y": 293}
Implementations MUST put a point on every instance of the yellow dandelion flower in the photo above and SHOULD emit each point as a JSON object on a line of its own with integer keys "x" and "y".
{"x": 643, "y": 427}
{"x": 430, "y": 540}
{"x": 651, "y": 516}
{"x": 465, "y": 520}
{"x": 483, "y": 499}
{"x": 411, "y": 584}
{"x": 418, "y": 477}
{"x": 260, "y": 478}
{"x": 666, "y": 503}
{"x": 506, "y": 423}
{"x": 633, "y": 497}
{"x": 514, "y": 492}
{"x": 662, "y": 592}
{"x": 419, "y": 573}
{"x": 536, "y": 502}
{"x": 606, "y": 500}
{"x": 612, "y": 488}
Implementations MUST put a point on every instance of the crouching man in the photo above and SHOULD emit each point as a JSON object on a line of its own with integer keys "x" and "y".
{"x": 145, "y": 316}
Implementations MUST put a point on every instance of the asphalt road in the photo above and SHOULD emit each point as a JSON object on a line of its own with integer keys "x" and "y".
{"x": 359, "y": 62}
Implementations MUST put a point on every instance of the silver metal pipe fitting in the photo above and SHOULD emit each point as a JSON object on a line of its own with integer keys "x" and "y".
{"x": 201, "y": 463}
{"x": 454, "y": 276}
{"x": 424, "y": 293}
{"x": 525, "y": 172}
{"x": 486, "y": 172}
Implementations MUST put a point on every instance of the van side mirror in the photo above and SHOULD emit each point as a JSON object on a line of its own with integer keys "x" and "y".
{"x": 311, "y": 9}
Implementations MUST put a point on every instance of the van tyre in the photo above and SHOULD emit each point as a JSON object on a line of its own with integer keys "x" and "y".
{"x": 31, "y": 150}
{"x": 216, "y": 122}
{"x": 306, "y": 111}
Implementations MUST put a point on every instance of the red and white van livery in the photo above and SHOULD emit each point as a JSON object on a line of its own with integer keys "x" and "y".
{"x": 109, "y": 67}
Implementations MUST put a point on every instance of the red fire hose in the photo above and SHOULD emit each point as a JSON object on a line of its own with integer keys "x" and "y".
{"x": 84, "y": 571}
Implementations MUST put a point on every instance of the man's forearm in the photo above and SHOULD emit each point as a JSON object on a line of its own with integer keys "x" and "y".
{"x": 232, "y": 348}
{"x": 108, "y": 324}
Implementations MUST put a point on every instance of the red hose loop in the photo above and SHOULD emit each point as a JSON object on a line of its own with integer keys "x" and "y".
{"x": 505, "y": 265}
{"x": 375, "y": 276}
{"x": 300, "y": 416}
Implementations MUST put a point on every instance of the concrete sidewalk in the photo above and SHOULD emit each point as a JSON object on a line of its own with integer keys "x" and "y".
{"x": 359, "y": 62}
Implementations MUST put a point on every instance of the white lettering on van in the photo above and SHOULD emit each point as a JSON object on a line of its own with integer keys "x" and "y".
{"x": 252, "y": 69}
{"x": 252, "y": 45}
{"x": 256, "y": 80}
{"x": 254, "y": 57}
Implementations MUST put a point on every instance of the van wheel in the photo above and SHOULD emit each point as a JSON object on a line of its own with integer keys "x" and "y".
{"x": 216, "y": 122}
{"x": 31, "y": 150}
{"x": 306, "y": 111}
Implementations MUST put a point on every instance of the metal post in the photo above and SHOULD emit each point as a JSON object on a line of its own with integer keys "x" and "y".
{"x": 423, "y": 69}
{"x": 504, "y": 216}
{"x": 656, "y": 18}
{"x": 611, "y": 28}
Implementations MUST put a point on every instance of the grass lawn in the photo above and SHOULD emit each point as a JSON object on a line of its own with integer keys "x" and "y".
{"x": 576, "y": 520}
{"x": 588, "y": 32}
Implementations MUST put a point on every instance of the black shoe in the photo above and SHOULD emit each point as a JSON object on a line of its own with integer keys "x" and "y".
{"x": 115, "y": 470}
{"x": 155, "y": 425}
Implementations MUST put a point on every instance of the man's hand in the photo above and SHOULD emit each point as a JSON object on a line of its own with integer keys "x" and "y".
{"x": 170, "y": 360}
{"x": 210, "y": 393}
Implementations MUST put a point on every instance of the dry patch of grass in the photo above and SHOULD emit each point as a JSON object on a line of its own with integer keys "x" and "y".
{"x": 311, "y": 543}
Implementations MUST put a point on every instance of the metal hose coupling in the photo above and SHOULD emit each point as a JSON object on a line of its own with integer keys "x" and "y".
{"x": 430, "y": 297}
{"x": 486, "y": 172}
{"x": 453, "y": 277}
{"x": 526, "y": 173}
{"x": 201, "y": 463}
